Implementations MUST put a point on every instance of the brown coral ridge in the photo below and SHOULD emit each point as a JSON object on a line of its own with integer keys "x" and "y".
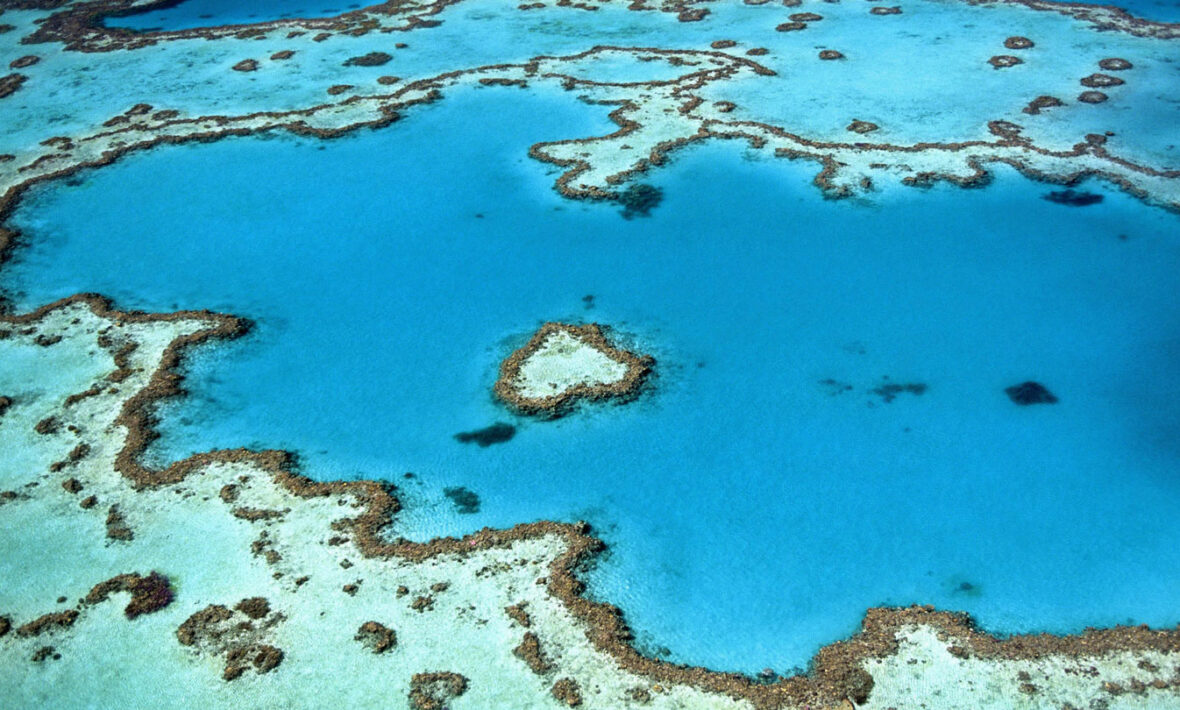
{"x": 895, "y": 10}
{"x": 830, "y": 54}
{"x": 638, "y": 367}
{"x": 1092, "y": 97}
{"x": 148, "y": 594}
{"x": 431, "y": 691}
{"x": 1019, "y": 43}
{"x": 48, "y": 622}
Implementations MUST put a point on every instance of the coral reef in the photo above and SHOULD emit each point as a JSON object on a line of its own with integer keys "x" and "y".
{"x": 1101, "y": 81}
{"x": 566, "y": 690}
{"x": 1003, "y": 61}
{"x": 242, "y": 645}
{"x": 1114, "y": 64}
{"x": 376, "y": 637}
{"x": 432, "y": 691}
{"x": 148, "y": 594}
{"x": 26, "y": 61}
{"x": 577, "y": 357}
{"x": 372, "y": 59}
{"x": 1041, "y": 103}
{"x": 10, "y": 83}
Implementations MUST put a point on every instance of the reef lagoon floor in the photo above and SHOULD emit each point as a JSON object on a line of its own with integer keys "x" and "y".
{"x": 904, "y": 351}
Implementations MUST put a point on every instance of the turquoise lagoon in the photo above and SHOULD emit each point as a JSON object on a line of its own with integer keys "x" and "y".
{"x": 761, "y": 495}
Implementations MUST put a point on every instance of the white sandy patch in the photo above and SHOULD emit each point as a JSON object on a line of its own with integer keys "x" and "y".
{"x": 923, "y": 674}
{"x": 564, "y": 361}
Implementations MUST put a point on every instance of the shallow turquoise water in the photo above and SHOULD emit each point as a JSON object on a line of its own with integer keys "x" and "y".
{"x": 753, "y": 511}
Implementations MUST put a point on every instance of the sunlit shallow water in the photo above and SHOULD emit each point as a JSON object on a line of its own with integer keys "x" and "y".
{"x": 761, "y": 495}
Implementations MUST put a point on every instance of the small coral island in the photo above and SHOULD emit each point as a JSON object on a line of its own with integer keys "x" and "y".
{"x": 563, "y": 363}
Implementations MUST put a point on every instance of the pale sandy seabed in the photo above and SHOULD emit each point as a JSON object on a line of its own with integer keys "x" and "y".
{"x": 563, "y": 362}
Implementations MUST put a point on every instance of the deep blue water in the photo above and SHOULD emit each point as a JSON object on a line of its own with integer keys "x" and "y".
{"x": 1159, "y": 10}
{"x": 753, "y": 509}
{"x": 208, "y": 13}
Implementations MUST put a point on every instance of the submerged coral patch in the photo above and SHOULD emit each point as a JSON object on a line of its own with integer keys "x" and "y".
{"x": 1030, "y": 392}
{"x": 466, "y": 501}
{"x": 1074, "y": 198}
{"x": 497, "y": 433}
{"x": 639, "y": 199}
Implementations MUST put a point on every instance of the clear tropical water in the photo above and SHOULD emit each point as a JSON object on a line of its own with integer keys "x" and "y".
{"x": 762, "y": 495}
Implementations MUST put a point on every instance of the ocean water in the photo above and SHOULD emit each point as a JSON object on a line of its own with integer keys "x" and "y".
{"x": 767, "y": 490}
{"x": 209, "y": 13}
{"x": 1159, "y": 10}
